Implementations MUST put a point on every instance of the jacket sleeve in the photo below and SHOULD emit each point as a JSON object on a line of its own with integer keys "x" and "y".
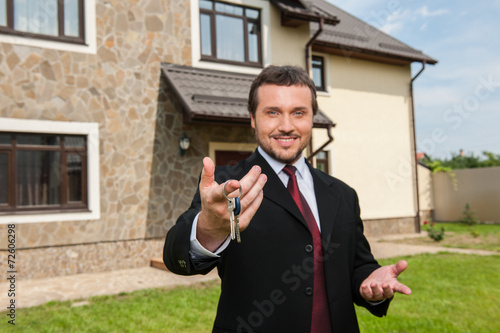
{"x": 176, "y": 251}
{"x": 365, "y": 264}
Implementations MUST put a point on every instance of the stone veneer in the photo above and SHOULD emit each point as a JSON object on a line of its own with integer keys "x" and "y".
{"x": 144, "y": 182}
{"x": 84, "y": 258}
{"x": 394, "y": 226}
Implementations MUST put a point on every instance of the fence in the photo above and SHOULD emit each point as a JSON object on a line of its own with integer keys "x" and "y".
{"x": 480, "y": 188}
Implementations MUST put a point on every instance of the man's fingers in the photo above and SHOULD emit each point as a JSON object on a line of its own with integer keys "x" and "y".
{"x": 250, "y": 179}
{"x": 402, "y": 289}
{"x": 366, "y": 292}
{"x": 207, "y": 174}
{"x": 377, "y": 292}
{"x": 254, "y": 190}
{"x": 388, "y": 292}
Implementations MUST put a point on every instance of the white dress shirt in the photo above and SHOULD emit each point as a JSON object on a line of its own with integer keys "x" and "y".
{"x": 306, "y": 187}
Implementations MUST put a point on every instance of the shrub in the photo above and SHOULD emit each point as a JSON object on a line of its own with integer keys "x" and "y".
{"x": 437, "y": 235}
{"x": 468, "y": 216}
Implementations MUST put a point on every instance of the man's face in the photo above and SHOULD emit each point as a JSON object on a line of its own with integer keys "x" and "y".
{"x": 283, "y": 121}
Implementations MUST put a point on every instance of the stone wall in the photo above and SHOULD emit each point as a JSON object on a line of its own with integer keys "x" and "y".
{"x": 390, "y": 226}
{"x": 117, "y": 88}
{"x": 144, "y": 182}
{"x": 55, "y": 261}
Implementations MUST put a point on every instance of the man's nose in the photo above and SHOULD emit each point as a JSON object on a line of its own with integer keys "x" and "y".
{"x": 286, "y": 124}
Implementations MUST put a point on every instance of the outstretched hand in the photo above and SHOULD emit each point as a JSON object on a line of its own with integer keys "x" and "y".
{"x": 213, "y": 222}
{"x": 383, "y": 282}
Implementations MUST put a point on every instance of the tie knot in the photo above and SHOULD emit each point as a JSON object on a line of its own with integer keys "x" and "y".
{"x": 290, "y": 170}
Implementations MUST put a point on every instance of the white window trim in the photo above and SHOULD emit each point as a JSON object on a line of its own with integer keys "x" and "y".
{"x": 90, "y": 36}
{"x": 91, "y": 130}
{"x": 229, "y": 146}
{"x": 265, "y": 19}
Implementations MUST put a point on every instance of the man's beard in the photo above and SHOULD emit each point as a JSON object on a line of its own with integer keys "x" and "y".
{"x": 269, "y": 149}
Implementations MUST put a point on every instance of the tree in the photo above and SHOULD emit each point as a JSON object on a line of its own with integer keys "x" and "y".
{"x": 462, "y": 161}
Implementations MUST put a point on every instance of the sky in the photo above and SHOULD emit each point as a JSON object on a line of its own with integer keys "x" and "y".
{"x": 457, "y": 101}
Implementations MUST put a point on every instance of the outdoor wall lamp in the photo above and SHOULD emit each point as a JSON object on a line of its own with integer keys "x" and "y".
{"x": 184, "y": 143}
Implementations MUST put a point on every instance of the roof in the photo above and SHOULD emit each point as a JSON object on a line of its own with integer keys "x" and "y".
{"x": 354, "y": 37}
{"x": 297, "y": 12}
{"x": 210, "y": 96}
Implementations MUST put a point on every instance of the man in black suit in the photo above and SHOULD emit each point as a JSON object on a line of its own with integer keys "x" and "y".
{"x": 303, "y": 260}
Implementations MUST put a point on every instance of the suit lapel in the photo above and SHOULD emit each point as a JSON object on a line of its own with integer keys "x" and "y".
{"x": 328, "y": 201}
{"x": 274, "y": 189}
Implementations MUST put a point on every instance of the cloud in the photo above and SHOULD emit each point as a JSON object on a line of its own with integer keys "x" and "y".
{"x": 391, "y": 27}
{"x": 424, "y": 12}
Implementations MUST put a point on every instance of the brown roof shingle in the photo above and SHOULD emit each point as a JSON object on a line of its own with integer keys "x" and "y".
{"x": 354, "y": 36}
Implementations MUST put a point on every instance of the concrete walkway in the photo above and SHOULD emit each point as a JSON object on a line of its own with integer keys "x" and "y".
{"x": 79, "y": 287}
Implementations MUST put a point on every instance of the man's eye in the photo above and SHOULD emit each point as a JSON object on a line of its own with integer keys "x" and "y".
{"x": 272, "y": 113}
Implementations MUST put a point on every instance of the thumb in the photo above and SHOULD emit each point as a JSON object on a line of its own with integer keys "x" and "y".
{"x": 207, "y": 174}
{"x": 400, "y": 267}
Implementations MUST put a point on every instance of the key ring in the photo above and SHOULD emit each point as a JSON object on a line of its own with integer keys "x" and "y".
{"x": 224, "y": 190}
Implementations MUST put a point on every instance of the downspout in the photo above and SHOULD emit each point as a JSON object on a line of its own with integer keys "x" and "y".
{"x": 309, "y": 43}
{"x": 308, "y": 69}
{"x": 417, "y": 217}
{"x": 330, "y": 139}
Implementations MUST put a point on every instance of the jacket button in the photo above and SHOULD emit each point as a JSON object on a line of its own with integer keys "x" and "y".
{"x": 309, "y": 248}
{"x": 309, "y": 291}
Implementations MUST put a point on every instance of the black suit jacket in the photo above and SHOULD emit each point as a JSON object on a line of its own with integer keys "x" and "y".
{"x": 267, "y": 279}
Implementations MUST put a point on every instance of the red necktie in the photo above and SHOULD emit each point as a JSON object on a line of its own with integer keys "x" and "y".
{"x": 320, "y": 322}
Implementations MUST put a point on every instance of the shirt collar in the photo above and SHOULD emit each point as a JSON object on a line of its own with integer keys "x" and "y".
{"x": 300, "y": 164}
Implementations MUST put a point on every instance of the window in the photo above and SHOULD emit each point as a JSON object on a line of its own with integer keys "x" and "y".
{"x": 57, "y": 20}
{"x": 318, "y": 71}
{"x": 322, "y": 161}
{"x": 42, "y": 172}
{"x": 230, "y": 33}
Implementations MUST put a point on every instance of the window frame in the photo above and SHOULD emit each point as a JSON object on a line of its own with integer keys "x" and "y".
{"x": 322, "y": 71}
{"x": 325, "y": 161}
{"x": 212, "y": 13}
{"x": 65, "y": 204}
{"x": 9, "y": 29}
{"x": 91, "y": 131}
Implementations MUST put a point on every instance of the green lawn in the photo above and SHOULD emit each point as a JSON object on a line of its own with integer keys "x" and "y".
{"x": 154, "y": 310}
{"x": 451, "y": 293}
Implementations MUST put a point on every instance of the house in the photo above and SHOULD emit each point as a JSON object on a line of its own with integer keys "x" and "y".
{"x": 96, "y": 95}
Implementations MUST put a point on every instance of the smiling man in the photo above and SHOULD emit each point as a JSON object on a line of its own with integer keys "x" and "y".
{"x": 303, "y": 260}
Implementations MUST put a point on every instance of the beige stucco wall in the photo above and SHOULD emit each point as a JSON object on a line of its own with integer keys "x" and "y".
{"x": 480, "y": 188}
{"x": 287, "y": 43}
{"x": 372, "y": 151}
{"x": 425, "y": 189}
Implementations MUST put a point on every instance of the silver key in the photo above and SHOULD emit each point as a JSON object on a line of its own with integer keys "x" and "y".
{"x": 234, "y": 209}
{"x": 230, "y": 209}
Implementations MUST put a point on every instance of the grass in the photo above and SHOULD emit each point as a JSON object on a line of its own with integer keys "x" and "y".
{"x": 153, "y": 310}
{"x": 451, "y": 293}
{"x": 459, "y": 235}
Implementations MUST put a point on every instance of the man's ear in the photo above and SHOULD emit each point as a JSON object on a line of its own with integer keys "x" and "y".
{"x": 252, "y": 120}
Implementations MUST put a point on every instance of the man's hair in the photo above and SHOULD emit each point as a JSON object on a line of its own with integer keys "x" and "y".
{"x": 281, "y": 76}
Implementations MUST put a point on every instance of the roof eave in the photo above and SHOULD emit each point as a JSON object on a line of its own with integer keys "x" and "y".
{"x": 357, "y": 52}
